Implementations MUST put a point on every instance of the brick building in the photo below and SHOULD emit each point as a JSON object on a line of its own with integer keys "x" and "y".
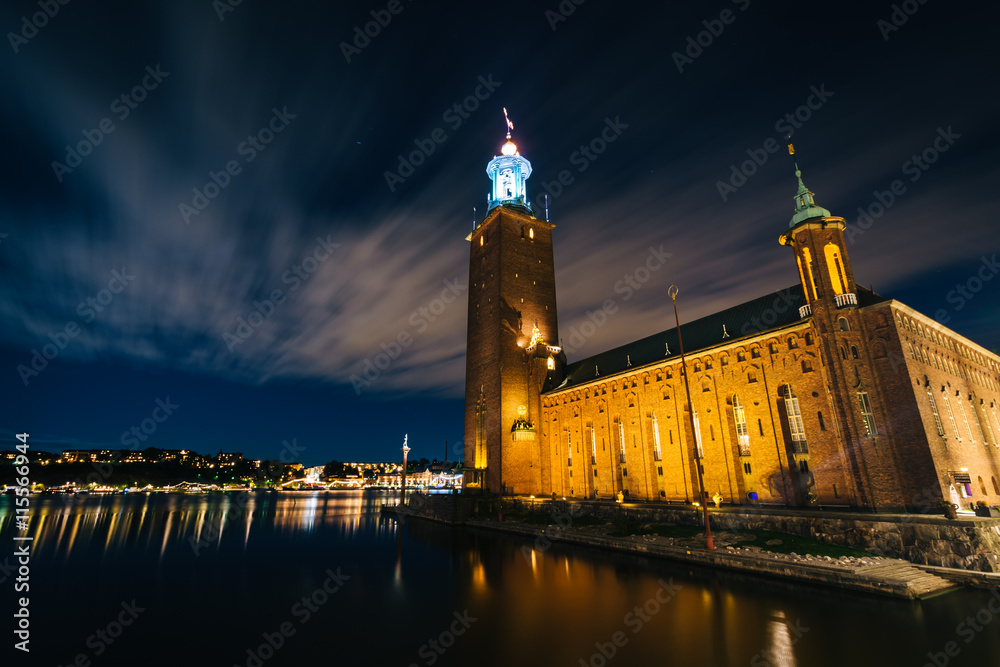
{"x": 823, "y": 392}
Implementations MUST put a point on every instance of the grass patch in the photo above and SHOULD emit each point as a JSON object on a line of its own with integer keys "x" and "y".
{"x": 589, "y": 521}
{"x": 799, "y": 545}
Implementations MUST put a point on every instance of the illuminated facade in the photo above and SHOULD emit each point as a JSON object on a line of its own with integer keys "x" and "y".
{"x": 821, "y": 393}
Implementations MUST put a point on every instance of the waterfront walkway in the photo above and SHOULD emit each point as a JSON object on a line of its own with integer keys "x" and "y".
{"x": 885, "y": 576}
{"x": 865, "y": 573}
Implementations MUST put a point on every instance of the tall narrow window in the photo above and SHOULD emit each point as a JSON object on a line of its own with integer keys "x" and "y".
{"x": 951, "y": 418}
{"x": 989, "y": 428}
{"x": 795, "y": 427}
{"x": 835, "y": 268}
{"x": 740, "y": 419}
{"x": 657, "y": 454}
{"x": 569, "y": 448}
{"x": 809, "y": 272}
{"x": 593, "y": 446}
{"x": 979, "y": 427}
{"x": 699, "y": 453}
{"x": 621, "y": 439}
{"x": 961, "y": 411}
{"x": 934, "y": 411}
{"x": 866, "y": 414}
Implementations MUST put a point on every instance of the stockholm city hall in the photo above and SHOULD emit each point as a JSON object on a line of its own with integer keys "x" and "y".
{"x": 821, "y": 393}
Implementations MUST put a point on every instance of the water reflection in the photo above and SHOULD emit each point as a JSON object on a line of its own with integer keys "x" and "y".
{"x": 68, "y": 524}
{"x": 225, "y": 568}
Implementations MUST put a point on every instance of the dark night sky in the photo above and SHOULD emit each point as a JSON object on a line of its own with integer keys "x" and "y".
{"x": 323, "y": 177}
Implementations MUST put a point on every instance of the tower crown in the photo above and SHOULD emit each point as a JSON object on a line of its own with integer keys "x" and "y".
{"x": 509, "y": 171}
{"x": 805, "y": 202}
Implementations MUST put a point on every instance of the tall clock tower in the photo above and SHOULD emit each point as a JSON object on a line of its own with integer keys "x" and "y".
{"x": 510, "y": 355}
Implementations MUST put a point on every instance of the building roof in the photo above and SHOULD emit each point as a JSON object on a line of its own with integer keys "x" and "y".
{"x": 748, "y": 320}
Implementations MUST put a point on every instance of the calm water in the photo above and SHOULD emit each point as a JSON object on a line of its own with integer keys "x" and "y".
{"x": 483, "y": 599}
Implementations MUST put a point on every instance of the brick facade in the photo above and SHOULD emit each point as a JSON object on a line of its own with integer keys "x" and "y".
{"x": 833, "y": 407}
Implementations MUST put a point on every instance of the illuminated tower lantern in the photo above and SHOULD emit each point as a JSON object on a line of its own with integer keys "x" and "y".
{"x": 845, "y": 339}
{"x": 512, "y": 320}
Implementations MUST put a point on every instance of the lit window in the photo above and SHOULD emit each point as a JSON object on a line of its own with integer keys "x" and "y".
{"x": 934, "y": 411}
{"x": 569, "y": 448}
{"x": 657, "y": 454}
{"x": 795, "y": 427}
{"x": 531, "y": 233}
{"x": 742, "y": 436}
{"x": 961, "y": 411}
{"x": 866, "y": 414}
{"x": 551, "y": 364}
{"x": 621, "y": 439}
{"x": 699, "y": 453}
{"x": 951, "y": 418}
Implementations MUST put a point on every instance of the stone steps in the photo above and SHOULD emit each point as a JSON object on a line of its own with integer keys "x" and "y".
{"x": 919, "y": 582}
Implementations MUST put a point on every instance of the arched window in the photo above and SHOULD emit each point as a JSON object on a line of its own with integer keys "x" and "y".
{"x": 811, "y": 280}
{"x": 854, "y": 352}
{"x": 842, "y": 323}
{"x": 951, "y": 418}
{"x": 621, "y": 439}
{"x": 657, "y": 454}
{"x": 835, "y": 268}
{"x": 699, "y": 452}
{"x": 866, "y": 414}
{"x": 934, "y": 411}
{"x": 843, "y": 352}
{"x": 794, "y": 415}
{"x": 742, "y": 435}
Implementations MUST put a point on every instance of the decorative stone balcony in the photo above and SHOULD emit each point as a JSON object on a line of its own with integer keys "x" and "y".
{"x": 845, "y": 300}
{"x": 806, "y": 310}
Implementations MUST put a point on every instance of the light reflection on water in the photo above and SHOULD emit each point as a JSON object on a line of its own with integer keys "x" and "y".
{"x": 221, "y": 569}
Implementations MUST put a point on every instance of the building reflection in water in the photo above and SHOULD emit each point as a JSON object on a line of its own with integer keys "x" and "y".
{"x": 65, "y": 524}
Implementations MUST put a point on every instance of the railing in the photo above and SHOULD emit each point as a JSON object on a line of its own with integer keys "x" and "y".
{"x": 806, "y": 310}
{"x": 844, "y": 300}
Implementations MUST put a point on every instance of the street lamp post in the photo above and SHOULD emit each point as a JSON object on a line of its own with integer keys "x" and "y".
{"x": 406, "y": 450}
{"x": 709, "y": 544}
